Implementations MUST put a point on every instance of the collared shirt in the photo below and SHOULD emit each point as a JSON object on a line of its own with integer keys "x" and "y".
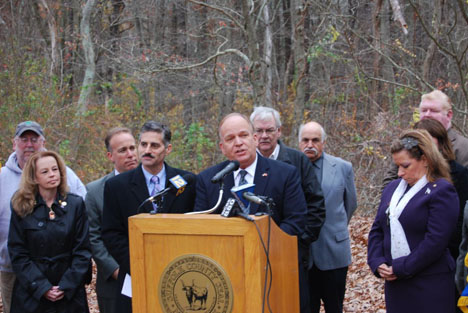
{"x": 274, "y": 154}
{"x": 318, "y": 168}
{"x": 161, "y": 175}
{"x": 250, "y": 173}
{"x": 116, "y": 172}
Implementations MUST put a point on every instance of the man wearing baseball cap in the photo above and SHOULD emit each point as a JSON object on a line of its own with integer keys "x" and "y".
{"x": 29, "y": 138}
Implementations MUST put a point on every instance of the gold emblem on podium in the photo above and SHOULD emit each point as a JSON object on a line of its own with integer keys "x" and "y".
{"x": 195, "y": 283}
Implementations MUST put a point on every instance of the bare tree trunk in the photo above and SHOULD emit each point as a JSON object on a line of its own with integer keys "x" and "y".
{"x": 376, "y": 64}
{"x": 297, "y": 21}
{"x": 54, "y": 62}
{"x": 436, "y": 22}
{"x": 253, "y": 48}
{"x": 268, "y": 47}
{"x": 89, "y": 56}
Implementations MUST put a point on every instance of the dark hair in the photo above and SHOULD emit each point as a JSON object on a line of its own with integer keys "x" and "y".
{"x": 112, "y": 132}
{"x": 418, "y": 143}
{"x": 152, "y": 126}
{"x": 438, "y": 131}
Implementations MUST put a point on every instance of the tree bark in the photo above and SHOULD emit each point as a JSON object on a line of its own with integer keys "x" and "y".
{"x": 54, "y": 54}
{"x": 87, "y": 43}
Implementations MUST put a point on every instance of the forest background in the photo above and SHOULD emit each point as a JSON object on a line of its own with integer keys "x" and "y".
{"x": 357, "y": 67}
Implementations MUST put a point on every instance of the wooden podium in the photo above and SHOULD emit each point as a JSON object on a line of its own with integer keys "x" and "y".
{"x": 233, "y": 243}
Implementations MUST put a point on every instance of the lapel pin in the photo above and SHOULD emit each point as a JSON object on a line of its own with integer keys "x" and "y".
{"x": 265, "y": 174}
{"x": 435, "y": 185}
{"x": 428, "y": 191}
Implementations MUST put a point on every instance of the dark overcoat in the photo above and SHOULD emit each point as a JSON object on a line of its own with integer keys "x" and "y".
{"x": 123, "y": 194}
{"x": 425, "y": 277}
{"x": 46, "y": 253}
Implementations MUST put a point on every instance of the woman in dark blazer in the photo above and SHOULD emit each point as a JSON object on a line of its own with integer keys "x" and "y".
{"x": 48, "y": 240}
{"x": 408, "y": 242}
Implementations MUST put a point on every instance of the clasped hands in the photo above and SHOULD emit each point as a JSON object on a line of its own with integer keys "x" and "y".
{"x": 386, "y": 272}
{"x": 54, "y": 294}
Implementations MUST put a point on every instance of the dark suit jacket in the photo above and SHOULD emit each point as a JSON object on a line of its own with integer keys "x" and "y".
{"x": 123, "y": 194}
{"x": 106, "y": 265}
{"x": 459, "y": 175}
{"x": 311, "y": 188}
{"x": 274, "y": 179}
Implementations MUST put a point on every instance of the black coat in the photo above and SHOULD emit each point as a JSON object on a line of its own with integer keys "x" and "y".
{"x": 459, "y": 175}
{"x": 46, "y": 253}
{"x": 123, "y": 194}
{"x": 312, "y": 191}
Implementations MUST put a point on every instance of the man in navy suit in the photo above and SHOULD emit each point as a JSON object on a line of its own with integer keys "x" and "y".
{"x": 274, "y": 179}
{"x": 330, "y": 254}
{"x": 123, "y": 195}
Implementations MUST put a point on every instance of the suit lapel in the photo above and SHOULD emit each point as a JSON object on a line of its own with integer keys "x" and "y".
{"x": 139, "y": 189}
{"x": 261, "y": 180}
{"x": 328, "y": 173}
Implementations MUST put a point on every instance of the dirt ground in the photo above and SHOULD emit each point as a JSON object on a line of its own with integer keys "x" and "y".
{"x": 364, "y": 292}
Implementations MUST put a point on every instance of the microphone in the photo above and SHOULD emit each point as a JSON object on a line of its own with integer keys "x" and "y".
{"x": 231, "y": 208}
{"x": 238, "y": 193}
{"x": 177, "y": 184}
{"x": 231, "y": 167}
{"x": 254, "y": 198}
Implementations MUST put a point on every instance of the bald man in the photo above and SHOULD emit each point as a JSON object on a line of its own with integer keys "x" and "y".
{"x": 330, "y": 254}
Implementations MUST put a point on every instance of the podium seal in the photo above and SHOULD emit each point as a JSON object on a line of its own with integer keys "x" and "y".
{"x": 195, "y": 283}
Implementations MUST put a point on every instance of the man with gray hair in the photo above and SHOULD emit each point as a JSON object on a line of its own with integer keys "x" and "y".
{"x": 330, "y": 255}
{"x": 267, "y": 132}
{"x": 29, "y": 138}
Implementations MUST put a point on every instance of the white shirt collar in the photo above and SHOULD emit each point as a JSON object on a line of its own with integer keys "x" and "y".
{"x": 274, "y": 154}
{"x": 250, "y": 172}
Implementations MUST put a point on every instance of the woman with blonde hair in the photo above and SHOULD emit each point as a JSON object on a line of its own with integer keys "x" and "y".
{"x": 408, "y": 242}
{"x": 48, "y": 240}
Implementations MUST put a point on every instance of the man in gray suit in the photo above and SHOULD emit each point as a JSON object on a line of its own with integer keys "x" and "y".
{"x": 121, "y": 151}
{"x": 330, "y": 255}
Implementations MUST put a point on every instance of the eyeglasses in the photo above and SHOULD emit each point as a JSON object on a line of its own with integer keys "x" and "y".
{"x": 268, "y": 131}
{"x": 33, "y": 140}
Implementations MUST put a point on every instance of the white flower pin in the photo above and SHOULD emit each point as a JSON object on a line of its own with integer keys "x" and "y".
{"x": 428, "y": 191}
{"x": 62, "y": 203}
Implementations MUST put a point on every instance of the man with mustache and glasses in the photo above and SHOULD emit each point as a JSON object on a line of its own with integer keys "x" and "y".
{"x": 330, "y": 254}
{"x": 267, "y": 132}
{"x": 29, "y": 138}
{"x": 123, "y": 195}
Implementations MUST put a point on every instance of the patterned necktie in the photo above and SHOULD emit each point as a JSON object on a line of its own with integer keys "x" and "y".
{"x": 156, "y": 188}
{"x": 242, "y": 180}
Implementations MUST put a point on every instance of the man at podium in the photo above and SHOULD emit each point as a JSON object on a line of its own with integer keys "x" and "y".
{"x": 277, "y": 180}
{"x": 127, "y": 194}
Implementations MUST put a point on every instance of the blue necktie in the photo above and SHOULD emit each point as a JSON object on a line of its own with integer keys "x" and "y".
{"x": 156, "y": 189}
{"x": 242, "y": 180}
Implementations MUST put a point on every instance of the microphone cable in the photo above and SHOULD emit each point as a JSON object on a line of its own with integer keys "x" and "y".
{"x": 268, "y": 268}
